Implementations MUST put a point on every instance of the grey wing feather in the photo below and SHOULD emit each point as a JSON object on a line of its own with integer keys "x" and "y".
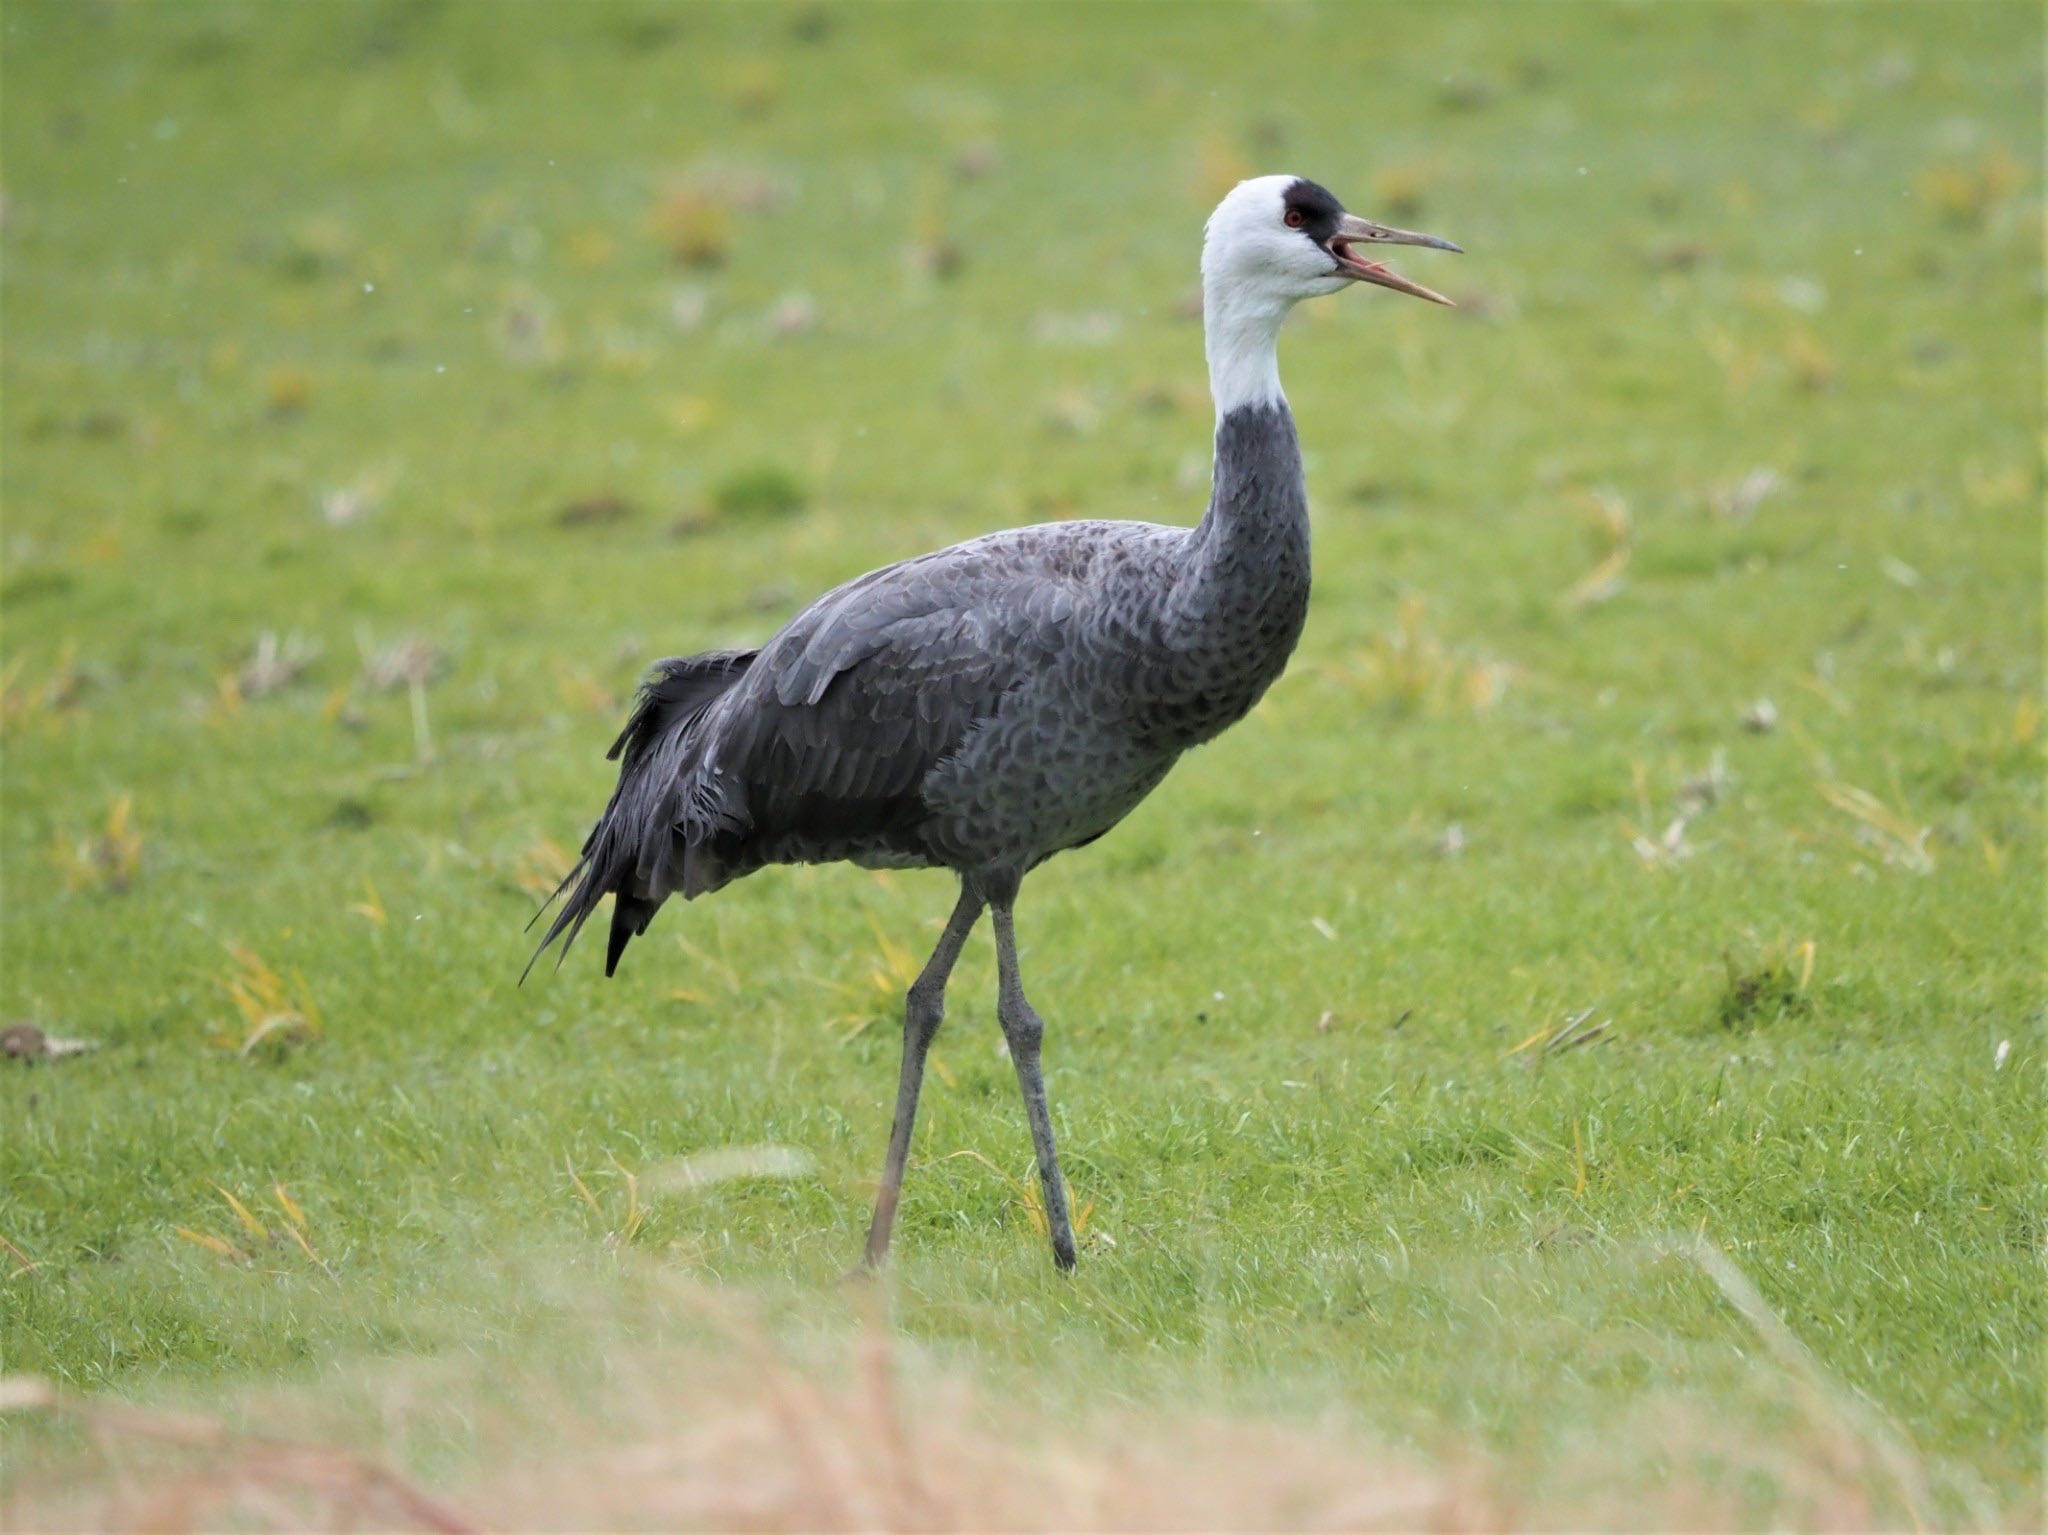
{"x": 877, "y": 682}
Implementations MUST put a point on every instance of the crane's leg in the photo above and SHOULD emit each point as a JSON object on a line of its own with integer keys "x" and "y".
{"x": 924, "y": 1009}
{"x": 1023, "y": 1028}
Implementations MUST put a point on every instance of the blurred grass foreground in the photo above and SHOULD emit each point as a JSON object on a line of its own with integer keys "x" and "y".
{"x": 1572, "y": 1057}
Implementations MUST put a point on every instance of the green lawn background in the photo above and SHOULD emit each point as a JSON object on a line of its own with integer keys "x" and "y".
{"x": 554, "y": 339}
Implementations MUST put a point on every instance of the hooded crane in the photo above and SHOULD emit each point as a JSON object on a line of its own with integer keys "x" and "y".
{"x": 984, "y": 707}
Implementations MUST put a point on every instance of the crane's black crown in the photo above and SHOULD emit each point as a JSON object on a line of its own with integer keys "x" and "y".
{"x": 1319, "y": 210}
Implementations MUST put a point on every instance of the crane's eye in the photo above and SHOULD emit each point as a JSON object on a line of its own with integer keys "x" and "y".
{"x": 1295, "y": 218}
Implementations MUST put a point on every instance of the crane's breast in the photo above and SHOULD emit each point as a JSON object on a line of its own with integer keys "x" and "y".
{"x": 1048, "y": 771}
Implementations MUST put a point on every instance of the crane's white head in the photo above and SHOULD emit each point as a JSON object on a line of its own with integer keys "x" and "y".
{"x": 1281, "y": 239}
{"x": 1271, "y": 243}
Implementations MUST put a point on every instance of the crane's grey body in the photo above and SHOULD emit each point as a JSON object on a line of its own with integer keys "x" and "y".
{"x": 986, "y": 706}
{"x": 978, "y": 709}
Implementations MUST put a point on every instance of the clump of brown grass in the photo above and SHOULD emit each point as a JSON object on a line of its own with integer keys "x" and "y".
{"x": 878, "y": 995}
{"x": 411, "y": 661}
{"x": 254, "y": 1235}
{"x": 276, "y": 663}
{"x": 738, "y": 1435}
{"x": 1966, "y": 194}
{"x": 1699, "y": 793}
{"x": 274, "y": 1010}
{"x": 106, "y": 861}
{"x": 1813, "y": 366}
{"x": 205, "y": 1474}
{"x": 1410, "y": 668}
{"x": 287, "y": 390}
{"x": 695, "y": 225}
{"x": 1768, "y": 984}
{"x": 695, "y": 1416}
{"x": 23, "y": 700}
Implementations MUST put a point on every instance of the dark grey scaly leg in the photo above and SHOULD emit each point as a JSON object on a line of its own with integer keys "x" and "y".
{"x": 1024, "y": 1030}
{"x": 924, "y": 1009}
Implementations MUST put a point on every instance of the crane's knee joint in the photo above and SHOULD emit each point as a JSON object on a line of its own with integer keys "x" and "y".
{"x": 924, "y": 1009}
{"x": 1022, "y": 1027}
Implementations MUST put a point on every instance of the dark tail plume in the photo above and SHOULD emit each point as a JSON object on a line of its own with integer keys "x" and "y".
{"x": 630, "y": 848}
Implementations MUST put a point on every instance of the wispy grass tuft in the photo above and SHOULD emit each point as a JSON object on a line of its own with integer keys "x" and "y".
{"x": 1409, "y": 668}
{"x": 275, "y": 1011}
{"x": 1767, "y": 985}
{"x": 108, "y": 861}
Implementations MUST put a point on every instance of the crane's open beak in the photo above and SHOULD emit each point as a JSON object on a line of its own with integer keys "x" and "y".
{"x": 1355, "y": 231}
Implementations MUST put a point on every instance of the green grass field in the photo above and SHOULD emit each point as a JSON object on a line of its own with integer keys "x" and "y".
{"x": 1675, "y": 654}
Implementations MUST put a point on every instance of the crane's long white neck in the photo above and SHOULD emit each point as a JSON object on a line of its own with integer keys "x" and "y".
{"x": 1238, "y": 601}
{"x": 1241, "y": 333}
{"x": 1245, "y": 581}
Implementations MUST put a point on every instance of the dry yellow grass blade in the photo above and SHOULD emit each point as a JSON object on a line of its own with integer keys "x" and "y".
{"x": 303, "y": 1245}
{"x": 1483, "y": 684}
{"x": 1897, "y": 837}
{"x": 1031, "y": 1198}
{"x": 897, "y": 967}
{"x": 1819, "y": 687}
{"x": 250, "y": 1224}
{"x": 2026, "y": 720}
{"x": 121, "y": 844}
{"x": 227, "y": 699}
{"x": 1608, "y": 511}
{"x": 22, "y": 701}
{"x": 289, "y": 1205}
{"x": 1602, "y": 583}
{"x": 582, "y": 1189}
{"x": 272, "y": 1008}
{"x": 635, "y": 1216}
{"x": 1569, "y": 1035}
{"x": 881, "y": 990}
{"x": 726, "y": 976}
{"x": 220, "y": 1246}
{"x": 1027, "y": 1194}
{"x": 543, "y": 867}
{"x": 23, "y": 1263}
{"x": 371, "y": 906}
